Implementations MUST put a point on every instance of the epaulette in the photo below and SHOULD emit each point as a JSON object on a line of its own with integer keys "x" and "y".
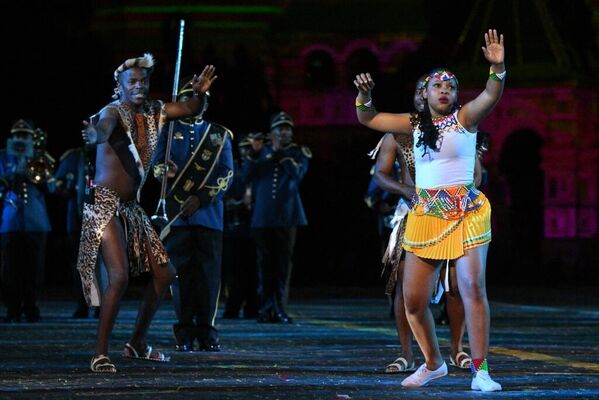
{"x": 307, "y": 152}
{"x": 67, "y": 153}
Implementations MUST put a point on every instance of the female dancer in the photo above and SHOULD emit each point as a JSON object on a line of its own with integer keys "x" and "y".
{"x": 449, "y": 218}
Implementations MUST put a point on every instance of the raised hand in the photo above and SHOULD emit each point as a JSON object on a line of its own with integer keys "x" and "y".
{"x": 89, "y": 133}
{"x": 493, "y": 49}
{"x": 202, "y": 83}
{"x": 364, "y": 83}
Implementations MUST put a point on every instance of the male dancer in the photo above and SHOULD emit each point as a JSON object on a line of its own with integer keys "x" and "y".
{"x": 114, "y": 224}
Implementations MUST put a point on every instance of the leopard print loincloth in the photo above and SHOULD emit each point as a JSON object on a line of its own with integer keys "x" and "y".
{"x": 138, "y": 230}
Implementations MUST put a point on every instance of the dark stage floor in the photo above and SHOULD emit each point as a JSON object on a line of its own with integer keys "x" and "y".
{"x": 337, "y": 349}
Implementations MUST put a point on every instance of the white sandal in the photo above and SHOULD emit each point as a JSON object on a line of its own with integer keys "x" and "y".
{"x": 147, "y": 355}
{"x": 102, "y": 364}
{"x": 400, "y": 365}
{"x": 462, "y": 360}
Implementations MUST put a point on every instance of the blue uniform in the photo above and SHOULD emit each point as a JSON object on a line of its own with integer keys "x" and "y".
{"x": 186, "y": 137}
{"x": 375, "y": 195}
{"x": 275, "y": 179}
{"x": 195, "y": 244}
{"x": 239, "y": 255}
{"x": 278, "y": 211}
{"x": 72, "y": 170}
{"x": 23, "y": 232}
{"x": 24, "y": 203}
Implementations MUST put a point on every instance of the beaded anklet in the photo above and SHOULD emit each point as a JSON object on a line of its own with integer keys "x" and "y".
{"x": 478, "y": 364}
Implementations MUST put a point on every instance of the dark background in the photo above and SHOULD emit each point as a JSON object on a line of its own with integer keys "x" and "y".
{"x": 57, "y": 68}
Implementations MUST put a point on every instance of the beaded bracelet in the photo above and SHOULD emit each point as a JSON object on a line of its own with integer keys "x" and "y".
{"x": 364, "y": 107}
{"x": 496, "y": 77}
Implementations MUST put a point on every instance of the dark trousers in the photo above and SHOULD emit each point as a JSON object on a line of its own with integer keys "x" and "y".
{"x": 241, "y": 277}
{"x": 274, "y": 252}
{"x": 196, "y": 255}
{"x": 23, "y": 256}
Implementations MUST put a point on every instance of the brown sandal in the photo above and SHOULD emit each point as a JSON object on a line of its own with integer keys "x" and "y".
{"x": 102, "y": 364}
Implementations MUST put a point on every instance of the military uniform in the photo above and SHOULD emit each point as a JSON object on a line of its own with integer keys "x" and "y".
{"x": 239, "y": 253}
{"x": 74, "y": 171}
{"x": 23, "y": 232}
{"x": 194, "y": 243}
{"x": 278, "y": 211}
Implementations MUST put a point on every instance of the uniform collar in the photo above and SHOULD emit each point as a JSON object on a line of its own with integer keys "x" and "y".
{"x": 196, "y": 121}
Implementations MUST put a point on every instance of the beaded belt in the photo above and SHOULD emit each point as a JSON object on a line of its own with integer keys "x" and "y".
{"x": 447, "y": 203}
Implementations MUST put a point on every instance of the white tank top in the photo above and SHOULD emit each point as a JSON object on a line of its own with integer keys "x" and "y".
{"x": 453, "y": 163}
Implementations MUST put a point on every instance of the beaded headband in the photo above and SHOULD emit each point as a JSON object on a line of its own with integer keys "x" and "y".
{"x": 441, "y": 74}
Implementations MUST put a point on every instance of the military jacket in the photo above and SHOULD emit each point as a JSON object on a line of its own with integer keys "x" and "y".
{"x": 24, "y": 205}
{"x": 186, "y": 138}
{"x": 73, "y": 167}
{"x": 275, "y": 177}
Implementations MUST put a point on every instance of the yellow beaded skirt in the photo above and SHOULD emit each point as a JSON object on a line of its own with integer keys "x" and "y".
{"x": 443, "y": 223}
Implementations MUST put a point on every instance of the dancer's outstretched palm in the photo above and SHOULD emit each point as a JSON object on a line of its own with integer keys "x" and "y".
{"x": 202, "y": 83}
{"x": 493, "y": 49}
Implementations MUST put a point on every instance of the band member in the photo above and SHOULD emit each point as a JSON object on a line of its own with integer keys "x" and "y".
{"x": 25, "y": 178}
{"x": 75, "y": 170}
{"x": 449, "y": 219}
{"x": 239, "y": 252}
{"x": 114, "y": 224}
{"x": 195, "y": 240}
{"x": 275, "y": 171}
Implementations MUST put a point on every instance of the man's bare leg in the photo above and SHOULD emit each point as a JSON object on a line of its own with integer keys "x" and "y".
{"x": 114, "y": 254}
{"x": 162, "y": 277}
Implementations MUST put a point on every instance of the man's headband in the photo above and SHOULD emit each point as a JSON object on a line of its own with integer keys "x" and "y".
{"x": 147, "y": 61}
{"x": 442, "y": 75}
